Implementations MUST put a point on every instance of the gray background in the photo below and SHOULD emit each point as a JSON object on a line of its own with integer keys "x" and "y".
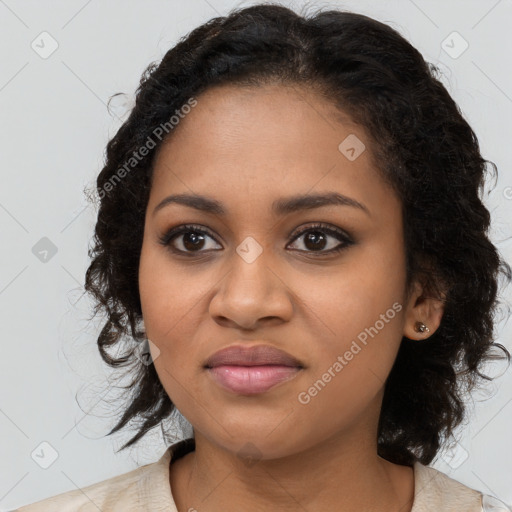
{"x": 54, "y": 128}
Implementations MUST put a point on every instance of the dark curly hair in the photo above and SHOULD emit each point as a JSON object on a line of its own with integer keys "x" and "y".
{"x": 422, "y": 146}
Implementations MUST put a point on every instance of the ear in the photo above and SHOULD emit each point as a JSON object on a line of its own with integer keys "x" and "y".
{"x": 428, "y": 310}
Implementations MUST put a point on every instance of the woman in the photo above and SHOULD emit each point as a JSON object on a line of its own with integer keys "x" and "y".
{"x": 292, "y": 210}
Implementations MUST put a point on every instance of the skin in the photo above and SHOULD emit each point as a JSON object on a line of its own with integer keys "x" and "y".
{"x": 246, "y": 148}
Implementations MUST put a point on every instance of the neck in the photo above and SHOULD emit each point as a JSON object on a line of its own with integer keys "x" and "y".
{"x": 343, "y": 473}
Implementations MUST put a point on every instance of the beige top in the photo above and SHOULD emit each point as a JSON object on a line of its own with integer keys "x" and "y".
{"x": 147, "y": 489}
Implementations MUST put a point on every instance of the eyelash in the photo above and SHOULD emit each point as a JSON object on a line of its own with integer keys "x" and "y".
{"x": 173, "y": 233}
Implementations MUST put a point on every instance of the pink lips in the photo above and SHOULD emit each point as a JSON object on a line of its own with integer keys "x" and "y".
{"x": 252, "y": 370}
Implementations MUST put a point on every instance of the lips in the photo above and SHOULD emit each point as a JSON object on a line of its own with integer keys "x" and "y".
{"x": 259, "y": 355}
{"x": 252, "y": 370}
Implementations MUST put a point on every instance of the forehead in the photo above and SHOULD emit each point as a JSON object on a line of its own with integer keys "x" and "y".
{"x": 271, "y": 119}
{"x": 251, "y": 145}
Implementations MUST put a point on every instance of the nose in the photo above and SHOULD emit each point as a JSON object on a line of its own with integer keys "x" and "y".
{"x": 252, "y": 294}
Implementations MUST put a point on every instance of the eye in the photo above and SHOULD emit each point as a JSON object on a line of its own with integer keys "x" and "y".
{"x": 191, "y": 239}
{"x": 317, "y": 239}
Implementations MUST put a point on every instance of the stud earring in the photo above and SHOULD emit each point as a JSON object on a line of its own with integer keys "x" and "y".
{"x": 421, "y": 327}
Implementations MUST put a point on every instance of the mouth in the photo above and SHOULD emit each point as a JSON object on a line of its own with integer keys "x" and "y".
{"x": 256, "y": 355}
{"x": 251, "y": 380}
{"x": 252, "y": 370}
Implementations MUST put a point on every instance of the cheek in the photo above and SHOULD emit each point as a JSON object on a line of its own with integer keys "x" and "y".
{"x": 173, "y": 303}
{"x": 169, "y": 296}
{"x": 346, "y": 301}
{"x": 170, "y": 301}
{"x": 352, "y": 362}
{"x": 355, "y": 313}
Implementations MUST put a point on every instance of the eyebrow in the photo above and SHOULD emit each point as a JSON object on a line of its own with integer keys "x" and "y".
{"x": 282, "y": 206}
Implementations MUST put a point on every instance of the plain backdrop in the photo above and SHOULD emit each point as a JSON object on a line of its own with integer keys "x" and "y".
{"x": 56, "y": 395}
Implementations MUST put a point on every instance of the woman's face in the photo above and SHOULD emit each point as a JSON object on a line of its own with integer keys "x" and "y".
{"x": 253, "y": 280}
